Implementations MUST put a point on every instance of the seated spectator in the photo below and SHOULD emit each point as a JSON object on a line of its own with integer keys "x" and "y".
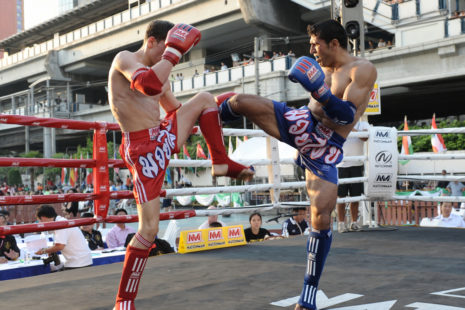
{"x": 71, "y": 208}
{"x": 6, "y": 215}
{"x": 447, "y": 218}
{"x": 93, "y": 237}
{"x": 118, "y": 234}
{"x": 389, "y": 44}
{"x": 296, "y": 225}
{"x": 223, "y": 66}
{"x": 211, "y": 219}
{"x": 196, "y": 73}
{"x": 455, "y": 188}
{"x": 215, "y": 225}
{"x": 69, "y": 241}
{"x": 443, "y": 184}
{"x": 8, "y": 248}
{"x": 290, "y": 53}
{"x": 255, "y": 232}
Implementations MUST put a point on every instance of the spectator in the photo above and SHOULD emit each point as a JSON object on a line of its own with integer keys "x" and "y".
{"x": 223, "y": 66}
{"x": 447, "y": 218}
{"x": 443, "y": 184}
{"x": 381, "y": 43}
{"x": 69, "y": 241}
{"x": 196, "y": 73}
{"x": 215, "y": 225}
{"x": 211, "y": 219}
{"x": 71, "y": 209}
{"x": 206, "y": 70}
{"x": 181, "y": 77}
{"x": 117, "y": 235}
{"x": 6, "y": 215}
{"x": 255, "y": 232}
{"x": 455, "y": 188}
{"x": 389, "y": 44}
{"x": 352, "y": 147}
{"x": 290, "y": 53}
{"x": 295, "y": 225}
{"x": 371, "y": 46}
{"x": 93, "y": 236}
{"x": 8, "y": 248}
{"x": 112, "y": 186}
{"x": 128, "y": 182}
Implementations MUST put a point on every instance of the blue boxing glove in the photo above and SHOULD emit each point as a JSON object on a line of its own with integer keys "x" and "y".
{"x": 309, "y": 74}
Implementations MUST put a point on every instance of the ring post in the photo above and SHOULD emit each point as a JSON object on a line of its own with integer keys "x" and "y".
{"x": 100, "y": 172}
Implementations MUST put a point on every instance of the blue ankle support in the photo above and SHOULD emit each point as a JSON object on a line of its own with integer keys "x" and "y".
{"x": 318, "y": 245}
{"x": 226, "y": 113}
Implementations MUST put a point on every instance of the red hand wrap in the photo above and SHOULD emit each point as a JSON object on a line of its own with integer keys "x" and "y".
{"x": 146, "y": 81}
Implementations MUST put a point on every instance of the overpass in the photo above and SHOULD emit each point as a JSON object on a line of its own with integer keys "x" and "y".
{"x": 420, "y": 70}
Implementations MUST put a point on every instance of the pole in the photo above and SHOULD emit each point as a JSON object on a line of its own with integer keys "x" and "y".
{"x": 256, "y": 59}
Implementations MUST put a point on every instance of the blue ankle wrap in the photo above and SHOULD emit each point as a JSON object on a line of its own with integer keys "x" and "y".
{"x": 318, "y": 245}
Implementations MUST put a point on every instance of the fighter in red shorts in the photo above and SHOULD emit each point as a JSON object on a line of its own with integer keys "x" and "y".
{"x": 138, "y": 86}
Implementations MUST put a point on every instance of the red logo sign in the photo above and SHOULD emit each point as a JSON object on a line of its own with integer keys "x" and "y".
{"x": 216, "y": 234}
{"x": 194, "y": 237}
{"x": 234, "y": 232}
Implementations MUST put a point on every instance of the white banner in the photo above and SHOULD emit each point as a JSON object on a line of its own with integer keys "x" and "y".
{"x": 382, "y": 162}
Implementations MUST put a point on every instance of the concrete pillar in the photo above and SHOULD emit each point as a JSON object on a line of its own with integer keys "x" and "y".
{"x": 13, "y": 105}
{"x": 274, "y": 170}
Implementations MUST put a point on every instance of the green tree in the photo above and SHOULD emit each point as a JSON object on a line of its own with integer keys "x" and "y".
{"x": 423, "y": 143}
{"x": 14, "y": 177}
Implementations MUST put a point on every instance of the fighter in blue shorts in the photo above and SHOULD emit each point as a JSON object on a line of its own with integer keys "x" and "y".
{"x": 340, "y": 86}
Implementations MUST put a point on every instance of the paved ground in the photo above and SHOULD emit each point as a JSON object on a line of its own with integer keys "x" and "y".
{"x": 400, "y": 268}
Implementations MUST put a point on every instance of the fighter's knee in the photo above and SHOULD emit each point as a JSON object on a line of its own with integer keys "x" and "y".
{"x": 206, "y": 97}
{"x": 149, "y": 231}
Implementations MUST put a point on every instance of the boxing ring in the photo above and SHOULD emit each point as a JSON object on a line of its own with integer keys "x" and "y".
{"x": 100, "y": 165}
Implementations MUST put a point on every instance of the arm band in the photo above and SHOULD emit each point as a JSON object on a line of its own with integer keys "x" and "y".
{"x": 339, "y": 111}
{"x": 146, "y": 81}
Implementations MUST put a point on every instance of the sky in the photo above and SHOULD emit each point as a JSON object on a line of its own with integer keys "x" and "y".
{"x": 38, "y": 11}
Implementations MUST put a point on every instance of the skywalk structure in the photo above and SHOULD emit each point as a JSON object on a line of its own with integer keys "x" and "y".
{"x": 59, "y": 68}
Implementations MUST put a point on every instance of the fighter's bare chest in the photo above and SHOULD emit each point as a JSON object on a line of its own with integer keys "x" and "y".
{"x": 338, "y": 82}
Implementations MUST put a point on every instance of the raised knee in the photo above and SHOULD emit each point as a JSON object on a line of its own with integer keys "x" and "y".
{"x": 149, "y": 232}
{"x": 206, "y": 97}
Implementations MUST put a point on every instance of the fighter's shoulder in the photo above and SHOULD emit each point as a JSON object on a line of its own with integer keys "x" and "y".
{"x": 363, "y": 69}
{"x": 123, "y": 57}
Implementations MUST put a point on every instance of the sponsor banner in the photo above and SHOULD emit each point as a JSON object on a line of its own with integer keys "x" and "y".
{"x": 382, "y": 162}
{"x": 374, "y": 103}
{"x": 211, "y": 238}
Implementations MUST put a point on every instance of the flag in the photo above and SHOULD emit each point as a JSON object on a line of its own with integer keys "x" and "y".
{"x": 407, "y": 148}
{"x": 64, "y": 175}
{"x": 230, "y": 147}
{"x": 436, "y": 140}
{"x": 89, "y": 173}
{"x": 186, "y": 153}
{"x": 245, "y": 138}
{"x": 200, "y": 153}
{"x": 72, "y": 177}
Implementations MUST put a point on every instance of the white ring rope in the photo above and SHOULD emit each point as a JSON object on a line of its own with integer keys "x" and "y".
{"x": 415, "y": 132}
{"x": 200, "y": 163}
{"x": 450, "y": 178}
{"x": 432, "y": 156}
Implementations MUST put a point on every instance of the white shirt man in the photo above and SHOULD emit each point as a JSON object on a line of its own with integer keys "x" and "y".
{"x": 447, "y": 218}
{"x": 70, "y": 241}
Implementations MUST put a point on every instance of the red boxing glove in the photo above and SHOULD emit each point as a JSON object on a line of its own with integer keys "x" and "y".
{"x": 146, "y": 81}
{"x": 179, "y": 40}
{"x": 221, "y": 98}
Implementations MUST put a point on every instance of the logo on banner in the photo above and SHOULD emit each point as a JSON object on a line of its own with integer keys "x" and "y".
{"x": 194, "y": 237}
{"x": 382, "y": 134}
{"x": 383, "y": 157}
{"x": 216, "y": 234}
{"x": 383, "y": 178}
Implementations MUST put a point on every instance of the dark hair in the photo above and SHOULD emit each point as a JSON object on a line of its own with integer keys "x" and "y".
{"x": 46, "y": 211}
{"x": 121, "y": 210}
{"x": 87, "y": 214}
{"x": 329, "y": 30}
{"x": 215, "y": 224}
{"x": 158, "y": 29}
{"x": 297, "y": 209}
{"x": 253, "y": 214}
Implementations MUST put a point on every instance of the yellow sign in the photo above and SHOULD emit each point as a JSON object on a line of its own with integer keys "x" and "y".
{"x": 374, "y": 103}
{"x": 211, "y": 238}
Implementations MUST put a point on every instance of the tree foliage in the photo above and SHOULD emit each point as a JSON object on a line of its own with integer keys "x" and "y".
{"x": 423, "y": 143}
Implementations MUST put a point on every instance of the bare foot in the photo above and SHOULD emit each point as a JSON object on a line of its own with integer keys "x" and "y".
{"x": 233, "y": 170}
{"x": 299, "y": 307}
